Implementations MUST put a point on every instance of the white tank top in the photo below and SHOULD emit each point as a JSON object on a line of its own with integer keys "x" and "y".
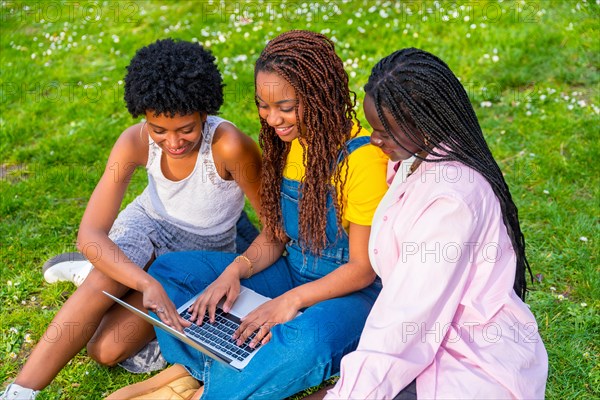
{"x": 202, "y": 203}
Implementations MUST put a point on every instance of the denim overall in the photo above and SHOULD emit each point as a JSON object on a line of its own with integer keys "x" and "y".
{"x": 302, "y": 352}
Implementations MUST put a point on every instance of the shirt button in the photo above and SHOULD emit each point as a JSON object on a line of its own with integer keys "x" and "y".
{"x": 385, "y": 217}
{"x": 375, "y": 251}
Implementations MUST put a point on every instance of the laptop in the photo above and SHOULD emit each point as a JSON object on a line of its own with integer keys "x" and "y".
{"x": 214, "y": 340}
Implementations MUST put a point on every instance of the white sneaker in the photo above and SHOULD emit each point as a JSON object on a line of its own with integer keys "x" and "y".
{"x": 18, "y": 392}
{"x": 71, "y": 267}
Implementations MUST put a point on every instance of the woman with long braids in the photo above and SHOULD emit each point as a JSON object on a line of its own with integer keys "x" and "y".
{"x": 321, "y": 183}
{"x": 450, "y": 321}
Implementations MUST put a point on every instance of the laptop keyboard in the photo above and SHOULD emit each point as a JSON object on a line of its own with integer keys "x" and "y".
{"x": 218, "y": 334}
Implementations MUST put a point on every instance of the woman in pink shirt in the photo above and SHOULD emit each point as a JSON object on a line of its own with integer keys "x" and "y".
{"x": 450, "y": 321}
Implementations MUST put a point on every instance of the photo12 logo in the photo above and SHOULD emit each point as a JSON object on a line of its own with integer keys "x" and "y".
{"x": 473, "y": 12}
{"x": 70, "y": 11}
{"x": 60, "y": 92}
{"x": 470, "y": 332}
{"x": 245, "y": 12}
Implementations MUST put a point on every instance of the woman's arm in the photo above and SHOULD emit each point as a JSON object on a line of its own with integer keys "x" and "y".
{"x": 129, "y": 152}
{"x": 350, "y": 277}
{"x": 261, "y": 254}
{"x": 103, "y": 207}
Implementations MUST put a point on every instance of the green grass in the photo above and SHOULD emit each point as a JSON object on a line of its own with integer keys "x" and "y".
{"x": 531, "y": 70}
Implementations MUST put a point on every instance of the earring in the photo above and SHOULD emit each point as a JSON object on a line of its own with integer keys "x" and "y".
{"x": 376, "y": 141}
{"x": 426, "y": 140}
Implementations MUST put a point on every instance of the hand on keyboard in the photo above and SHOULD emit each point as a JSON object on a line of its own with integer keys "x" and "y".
{"x": 225, "y": 286}
{"x": 259, "y": 322}
{"x": 218, "y": 335}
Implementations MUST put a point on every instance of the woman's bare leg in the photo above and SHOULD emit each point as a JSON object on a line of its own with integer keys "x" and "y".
{"x": 121, "y": 333}
{"x": 72, "y": 327}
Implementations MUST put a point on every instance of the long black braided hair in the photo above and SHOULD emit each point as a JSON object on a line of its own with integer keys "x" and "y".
{"x": 432, "y": 109}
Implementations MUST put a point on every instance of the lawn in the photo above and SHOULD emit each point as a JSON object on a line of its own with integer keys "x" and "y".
{"x": 530, "y": 68}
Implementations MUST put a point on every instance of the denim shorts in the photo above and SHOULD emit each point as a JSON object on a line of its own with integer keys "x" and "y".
{"x": 143, "y": 237}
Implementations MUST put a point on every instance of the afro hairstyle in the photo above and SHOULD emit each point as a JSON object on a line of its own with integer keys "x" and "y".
{"x": 173, "y": 77}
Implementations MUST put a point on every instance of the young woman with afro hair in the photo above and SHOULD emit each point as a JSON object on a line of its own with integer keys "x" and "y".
{"x": 321, "y": 183}
{"x": 199, "y": 168}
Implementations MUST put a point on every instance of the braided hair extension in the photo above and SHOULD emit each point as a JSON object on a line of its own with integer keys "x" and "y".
{"x": 432, "y": 109}
{"x": 308, "y": 62}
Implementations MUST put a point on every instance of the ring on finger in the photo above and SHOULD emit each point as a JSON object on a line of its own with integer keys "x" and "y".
{"x": 160, "y": 310}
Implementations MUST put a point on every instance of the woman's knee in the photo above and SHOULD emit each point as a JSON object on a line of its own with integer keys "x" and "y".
{"x": 105, "y": 350}
{"x": 109, "y": 348}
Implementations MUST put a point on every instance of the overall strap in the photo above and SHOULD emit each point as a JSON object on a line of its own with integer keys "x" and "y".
{"x": 354, "y": 144}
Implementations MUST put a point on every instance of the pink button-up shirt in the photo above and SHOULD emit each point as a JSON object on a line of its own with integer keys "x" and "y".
{"x": 447, "y": 315}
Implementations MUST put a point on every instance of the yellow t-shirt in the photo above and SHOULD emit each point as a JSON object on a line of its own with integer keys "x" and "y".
{"x": 365, "y": 185}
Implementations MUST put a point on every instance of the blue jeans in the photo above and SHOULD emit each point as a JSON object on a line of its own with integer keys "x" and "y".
{"x": 302, "y": 352}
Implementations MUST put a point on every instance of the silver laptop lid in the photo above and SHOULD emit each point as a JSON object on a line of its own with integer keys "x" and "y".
{"x": 247, "y": 301}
